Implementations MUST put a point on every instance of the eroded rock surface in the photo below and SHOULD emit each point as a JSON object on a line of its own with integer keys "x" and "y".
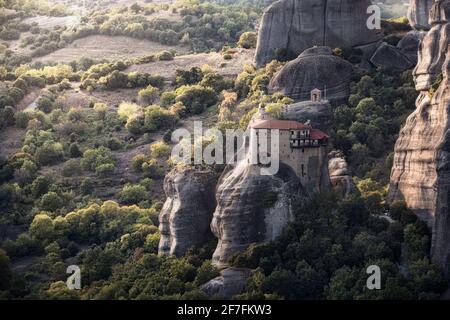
{"x": 316, "y": 67}
{"x": 340, "y": 174}
{"x": 418, "y": 13}
{"x": 187, "y": 213}
{"x": 320, "y": 114}
{"x": 291, "y": 26}
{"x": 409, "y": 45}
{"x": 433, "y": 47}
{"x": 421, "y": 169}
{"x": 391, "y": 57}
{"x": 251, "y": 208}
{"x": 231, "y": 281}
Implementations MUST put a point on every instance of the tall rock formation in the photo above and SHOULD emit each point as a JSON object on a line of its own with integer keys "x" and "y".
{"x": 185, "y": 218}
{"x": 252, "y": 208}
{"x": 291, "y": 26}
{"x": 316, "y": 67}
{"x": 340, "y": 175}
{"x": 421, "y": 170}
{"x": 418, "y": 12}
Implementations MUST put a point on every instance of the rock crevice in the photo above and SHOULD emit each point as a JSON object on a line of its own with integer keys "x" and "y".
{"x": 187, "y": 213}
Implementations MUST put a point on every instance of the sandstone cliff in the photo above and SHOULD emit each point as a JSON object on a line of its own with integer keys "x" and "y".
{"x": 251, "y": 208}
{"x": 418, "y": 14}
{"x": 421, "y": 169}
{"x": 291, "y": 26}
{"x": 187, "y": 213}
{"x": 316, "y": 67}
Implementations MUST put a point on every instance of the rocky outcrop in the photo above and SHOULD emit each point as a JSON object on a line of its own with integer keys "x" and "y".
{"x": 409, "y": 45}
{"x": 390, "y": 57}
{"x": 318, "y": 113}
{"x": 291, "y": 26}
{"x": 418, "y": 12}
{"x": 185, "y": 218}
{"x": 340, "y": 174}
{"x": 316, "y": 67}
{"x": 251, "y": 208}
{"x": 434, "y": 47}
{"x": 421, "y": 170}
{"x": 231, "y": 281}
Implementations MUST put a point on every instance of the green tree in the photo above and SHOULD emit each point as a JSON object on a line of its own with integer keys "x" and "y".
{"x": 157, "y": 118}
{"x": 164, "y": 56}
{"x": 133, "y": 194}
{"x": 248, "y": 40}
{"x": 159, "y": 149}
{"x": 41, "y": 227}
{"x": 86, "y": 186}
{"x": 40, "y": 186}
{"x": 149, "y": 94}
{"x": 51, "y": 201}
{"x": 74, "y": 150}
{"x": 5, "y": 271}
{"x": 196, "y": 98}
{"x": 205, "y": 273}
{"x": 44, "y": 104}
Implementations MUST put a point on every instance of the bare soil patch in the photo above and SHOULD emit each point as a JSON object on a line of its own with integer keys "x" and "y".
{"x": 215, "y": 60}
{"x": 107, "y": 47}
{"x": 51, "y": 22}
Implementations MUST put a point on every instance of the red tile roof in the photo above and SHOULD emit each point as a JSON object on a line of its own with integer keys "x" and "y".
{"x": 279, "y": 124}
{"x": 315, "y": 134}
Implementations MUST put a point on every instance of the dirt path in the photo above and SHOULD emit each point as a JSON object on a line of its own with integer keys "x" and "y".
{"x": 28, "y": 100}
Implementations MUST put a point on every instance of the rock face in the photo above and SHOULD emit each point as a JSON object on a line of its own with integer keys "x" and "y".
{"x": 434, "y": 47}
{"x": 391, "y": 57}
{"x": 421, "y": 169}
{"x": 185, "y": 218}
{"x": 251, "y": 208}
{"x": 409, "y": 45}
{"x": 295, "y": 25}
{"x": 232, "y": 281}
{"x": 340, "y": 175}
{"x": 418, "y": 14}
{"x": 316, "y": 67}
{"x": 319, "y": 114}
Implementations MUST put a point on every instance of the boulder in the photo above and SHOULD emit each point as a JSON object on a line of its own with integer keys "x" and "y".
{"x": 390, "y": 57}
{"x": 185, "y": 218}
{"x": 418, "y": 14}
{"x": 291, "y": 26}
{"x": 316, "y": 67}
{"x": 409, "y": 45}
{"x": 251, "y": 208}
{"x": 231, "y": 281}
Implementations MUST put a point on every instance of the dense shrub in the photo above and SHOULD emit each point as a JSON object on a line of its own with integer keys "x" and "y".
{"x": 133, "y": 194}
{"x": 196, "y": 98}
{"x": 248, "y": 40}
